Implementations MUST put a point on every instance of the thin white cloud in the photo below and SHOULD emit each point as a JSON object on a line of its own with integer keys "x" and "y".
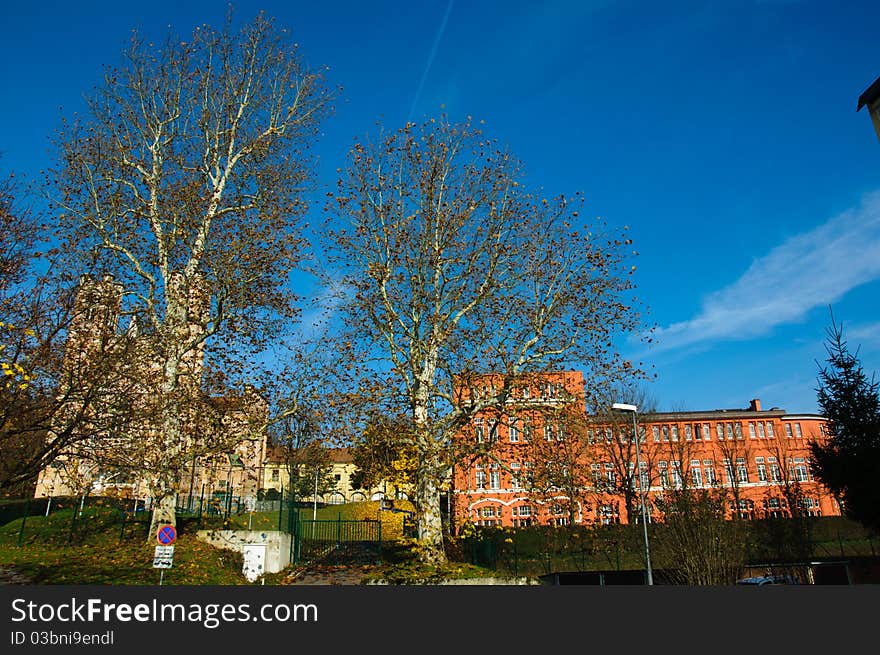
{"x": 431, "y": 56}
{"x": 812, "y": 269}
{"x": 866, "y": 335}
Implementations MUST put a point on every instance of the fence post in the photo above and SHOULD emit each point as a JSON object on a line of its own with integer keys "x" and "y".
{"x": 27, "y": 509}
{"x": 122, "y": 530}
{"x": 339, "y": 531}
{"x": 280, "y": 507}
{"x": 380, "y": 543}
{"x": 201, "y": 501}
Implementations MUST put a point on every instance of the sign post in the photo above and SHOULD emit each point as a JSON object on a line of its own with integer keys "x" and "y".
{"x": 163, "y": 557}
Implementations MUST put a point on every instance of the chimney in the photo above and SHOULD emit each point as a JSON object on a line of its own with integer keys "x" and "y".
{"x": 755, "y": 405}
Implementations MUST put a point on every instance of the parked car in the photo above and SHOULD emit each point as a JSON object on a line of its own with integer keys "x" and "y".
{"x": 768, "y": 580}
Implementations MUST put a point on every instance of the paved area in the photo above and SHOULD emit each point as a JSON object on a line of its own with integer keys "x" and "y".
{"x": 342, "y": 567}
{"x": 9, "y": 575}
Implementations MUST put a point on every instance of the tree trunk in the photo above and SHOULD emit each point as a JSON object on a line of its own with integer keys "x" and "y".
{"x": 165, "y": 480}
{"x": 428, "y": 518}
{"x": 164, "y": 511}
{"x": 429, "y": 521}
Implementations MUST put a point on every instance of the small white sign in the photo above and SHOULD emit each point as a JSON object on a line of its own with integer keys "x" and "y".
{"x": 254, "y": 561}
{"x": 163, "y": 557}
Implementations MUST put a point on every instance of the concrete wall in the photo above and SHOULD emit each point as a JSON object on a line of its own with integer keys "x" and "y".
{"x": 277, "y": 545}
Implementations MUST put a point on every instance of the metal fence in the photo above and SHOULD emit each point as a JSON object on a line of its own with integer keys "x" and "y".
{"x": 72, "y": 519}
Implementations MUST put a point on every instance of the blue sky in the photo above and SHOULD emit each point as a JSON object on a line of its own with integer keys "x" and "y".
{"x": 724, "y": 134}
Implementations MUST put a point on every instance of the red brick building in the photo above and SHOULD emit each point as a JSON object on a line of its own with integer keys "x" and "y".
{"x": 544, "y": 461}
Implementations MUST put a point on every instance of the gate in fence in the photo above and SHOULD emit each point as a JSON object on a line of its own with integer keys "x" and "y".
{"x": 343, "y": 540}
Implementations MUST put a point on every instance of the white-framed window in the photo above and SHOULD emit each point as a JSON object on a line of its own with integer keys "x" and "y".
{"x": 742, "y": 471}
{"x": 688, "y": 432}
{"x": 774, "y": 469}
{"x": 513, "y": 431}
{"x": 730, "y": 430}
{"x": 696, "y": 473}
{"x": 548, "y": 432}
{"x": 495, "y": 478}
{"x": 665, "y": 430}
{"x": 527, "y": 429}
{"x": 514, "y": 475}
{"x": 609, "y": 435}
{"x": 762, "y": 469}
{"x": 719, "y": 431}
{"x": 770, "y": 434}
{"x": 697, "y": 432}
{"x": 610, "y": 475}
{"x": 643, "y": 475}
{"x": 800, "y": 470}
{"x": 709, "y": 471}
{"x": 591, "y": 436}
{"x": 788, "y": 430}
{"x": 480, "y": 430}
{"x": 728, "y": 470}
{"x": 738, "y": 430}
{"x": 607, "y": 514}
{"x": 675, "y": 433}
{"x": 676, "y": 473}
{"x": 656, "y": 432}
{"x": 707, "y": 432}
{"x": 596, "y": 473}
{"x": 493, "y": 430}
{"x": 481, "y": 479}
{"x": 752, "y": 432}
{"x": 761, "y": 430}
{"x": 663, "y": 469}
{"x": 797, "y": 430}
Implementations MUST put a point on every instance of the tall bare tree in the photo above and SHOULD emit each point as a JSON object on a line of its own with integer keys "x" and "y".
{"x": 455, "y": 271}
{"x": 185, "y": 181}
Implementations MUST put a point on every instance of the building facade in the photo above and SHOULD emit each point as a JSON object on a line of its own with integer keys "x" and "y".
{"x": 568, "y": 467}
{"x": 225, "y": 435}
{"x": 338, "y": 483}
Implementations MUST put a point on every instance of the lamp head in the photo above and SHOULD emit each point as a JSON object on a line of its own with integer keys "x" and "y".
{"x": 623, "y": 407}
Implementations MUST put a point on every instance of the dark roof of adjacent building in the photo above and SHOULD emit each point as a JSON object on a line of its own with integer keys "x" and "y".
{"x": 870, "y": 94}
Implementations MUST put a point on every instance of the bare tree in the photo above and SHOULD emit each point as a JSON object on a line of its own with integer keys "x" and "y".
{"x": 614, "y": 446}
{"x": 697, "y": 545}
{"x": 185, "y": 181}
{"x": 455, "y": 272}
{"x": 736, "y": 450}
{"x": 47, "y": 397}
{"x": 559, "y": 458}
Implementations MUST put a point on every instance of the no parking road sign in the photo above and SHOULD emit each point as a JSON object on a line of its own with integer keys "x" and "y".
{"x": 166, "y": 535}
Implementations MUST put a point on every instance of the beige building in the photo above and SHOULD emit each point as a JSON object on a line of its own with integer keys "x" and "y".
{"x": 340, "y": 469}
{"x": 225, "y": 435}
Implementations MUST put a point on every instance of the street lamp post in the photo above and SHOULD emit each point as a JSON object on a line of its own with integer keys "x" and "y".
{"x": 622, "y": 407}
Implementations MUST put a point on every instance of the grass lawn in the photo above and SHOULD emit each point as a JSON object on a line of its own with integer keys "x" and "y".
{"x": 97, "y": 556}
{"x": 93, "y": 549}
